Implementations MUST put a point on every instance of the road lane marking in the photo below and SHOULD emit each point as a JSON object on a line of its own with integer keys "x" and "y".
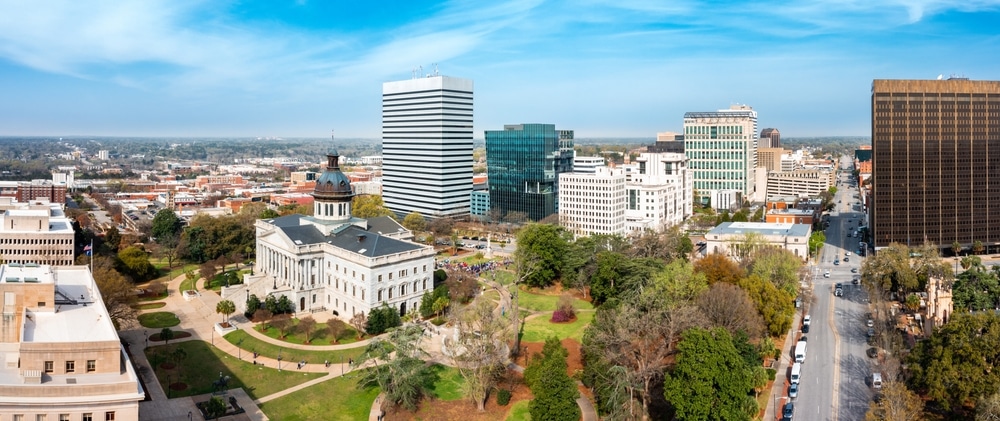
{"x": 836, "y": 360}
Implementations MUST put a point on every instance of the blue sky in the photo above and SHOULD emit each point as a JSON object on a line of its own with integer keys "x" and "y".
{"x": 625, "y": 68}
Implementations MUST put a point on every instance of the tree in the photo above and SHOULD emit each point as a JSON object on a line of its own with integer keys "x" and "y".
{"x": 283, "y": 322}
{"x": 165, "y": 224}
{"x": 545, "y": 245}
{"x": 959, "y": 360}
{"x": 977, "y": 247}
{"x": 889, "y": 270}
{"x": 637, "y": 334}
{"x": 710, "y": 381}
{"x": 614, "y": 274}
{"x": 729, "y": 307}
{"x": 440, "y": 305}
{"x": 988, "y": 408}
{"x": 117, "y": 293}
{"x": 414, "y": 221}
{"x": 335, "y": 327}
{"x": 718, "y": 268}
{"x": 398, "y": 370}
{"x": 898, "y": 404}
{"x": 745, "y": 247}
{"x": 428, "y": 301}
{"x": 166, "y": 334}
{"x": 208, "y": 270}
{"x": 483, "y": 345}
{"x": 307, "y": 325}
{"x": 225, "y": 307}
{"x": 782, "y": 267}
{"x": 253, "y": 304}
{"x": 262, "y": 316}
{"x": 441, "y": 226}
{"x": 113, "y": 238}
{"x": 776, "y": 306}
{"x": 135, "y": 264}
{"x": 369, "y": 206}
{"x": 382, "y": 319}
{"x": 667, "y": 244}
{"x": 555, "y": 392}
{"x": 956, "y": 248}
{"x": 358, "y": 322}
{"x": 816, "y": 241}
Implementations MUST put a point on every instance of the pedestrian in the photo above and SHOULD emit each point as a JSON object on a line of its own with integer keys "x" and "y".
{"x": 326, "y": 363}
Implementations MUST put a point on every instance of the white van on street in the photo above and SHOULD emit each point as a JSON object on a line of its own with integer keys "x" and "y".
{"x": 796, "y": 373}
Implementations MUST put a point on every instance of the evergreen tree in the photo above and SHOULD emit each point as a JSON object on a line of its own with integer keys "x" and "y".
{"x": 555, "y": 392}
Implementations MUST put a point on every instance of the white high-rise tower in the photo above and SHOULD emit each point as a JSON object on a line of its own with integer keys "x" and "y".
{"x": 427, "y": 146}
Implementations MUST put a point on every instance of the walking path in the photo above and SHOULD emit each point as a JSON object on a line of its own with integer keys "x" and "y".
{"x": 198, "y": 317}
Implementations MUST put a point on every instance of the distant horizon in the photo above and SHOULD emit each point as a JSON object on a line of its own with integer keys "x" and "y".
{"x": 622, "y": 68}
{"x": 195, "y": 137}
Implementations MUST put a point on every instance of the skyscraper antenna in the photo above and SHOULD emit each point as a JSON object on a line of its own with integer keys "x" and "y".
{"x": 332, "y": 139}
{"x": 435, "y": 69}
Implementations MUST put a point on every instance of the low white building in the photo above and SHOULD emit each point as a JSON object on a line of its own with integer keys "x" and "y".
{"x": 35, "y": 232}
{"x": 791, "y": 237}
{"x": 62, "y": 358}
{"x": 593, "y": 203}
{"x": 334, "y": 262}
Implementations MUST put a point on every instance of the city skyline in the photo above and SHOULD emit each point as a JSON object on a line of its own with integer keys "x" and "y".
{"x": 625, "y": 68}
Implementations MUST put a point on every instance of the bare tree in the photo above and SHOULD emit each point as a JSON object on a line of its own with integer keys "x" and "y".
{"x": 730, "y": 307}
{"x": 335, "y": 327}
{"x": 262, "y": 316}
{"x": 898, "y": 404}
{"x": 358, "y": 322}
{"x": 481, "y": 350}
{"x": 639, "y": 335}
{"x": 282, "y": 322}
{"x": 307, "y": 325}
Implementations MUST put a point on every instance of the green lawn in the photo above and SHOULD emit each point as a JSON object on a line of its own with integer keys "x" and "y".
{"x": 519, "y": 411}
{"x": 449, "y": 384}
{"x": 504, "y": 277}
{"x": 320, "y": 336}
{"x": 542, "y": 302}
{"x": 335, "y": 399}
{"x": 158, "y": 320}
{"x": 149, "y": 306}
{"x": 198, "y": 370}
{"x": 188, "y": 284}
{"x": 539, "y": 328}
{"x": 288, "y": 355}
{"x": 218, "y": 281}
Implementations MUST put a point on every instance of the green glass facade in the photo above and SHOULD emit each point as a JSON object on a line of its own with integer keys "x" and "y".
{"x": 524, "y": 162}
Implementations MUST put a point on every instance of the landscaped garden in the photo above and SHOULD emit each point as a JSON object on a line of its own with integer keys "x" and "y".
{"x": 158, "y": 320}
{"x": 189, "y": 369}
{"x": 291, "y": 355}
{"x": 232, "y": 277}
{"x": 538, "y": 328}
{"x": 319, "y": 336}
{"x": 547, "y": 302}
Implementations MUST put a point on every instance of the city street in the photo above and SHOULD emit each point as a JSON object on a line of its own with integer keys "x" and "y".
{"x": 833, "y": 376}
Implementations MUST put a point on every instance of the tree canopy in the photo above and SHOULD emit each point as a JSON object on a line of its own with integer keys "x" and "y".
{"x": 543, "y": 246}
{"x": 369, "y": 206}
{"x": 710, "y": 380}
{"x": 166, "y": 224}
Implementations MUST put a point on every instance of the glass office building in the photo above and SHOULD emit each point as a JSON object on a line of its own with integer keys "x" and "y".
{"x": 524, "y": 163}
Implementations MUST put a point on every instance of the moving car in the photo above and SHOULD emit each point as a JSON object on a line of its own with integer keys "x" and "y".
{"x": 838, "y": 290}
{"x": 854, "y": 270}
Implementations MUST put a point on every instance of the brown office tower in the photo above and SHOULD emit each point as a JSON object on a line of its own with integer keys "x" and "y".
{"x": 769, "y": 138}
{"x": 936, "y": 162}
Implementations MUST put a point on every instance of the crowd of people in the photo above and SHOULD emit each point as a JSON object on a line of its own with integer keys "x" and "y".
{"x": 477, "y": 268}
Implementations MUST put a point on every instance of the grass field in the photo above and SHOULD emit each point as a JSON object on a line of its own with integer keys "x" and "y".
{"x": 188, "y": 284}
{"x": 543, "y": 302}
{"x": 539, "y": 328}
{"x": 333, "y": 400}
{"x": 158, "y": 320}
{"x": 319, "y": 337}
{"x": 448, "y": 387}
{"x": 290, "y": 356}
{"x": 149, "y": 306}
{"x": 519, "y": 411}
{"x": 218, "y": 281}
{"x": 198, "y": 369}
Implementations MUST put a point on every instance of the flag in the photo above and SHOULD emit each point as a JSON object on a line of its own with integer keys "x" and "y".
{"x": 89, "y": 249}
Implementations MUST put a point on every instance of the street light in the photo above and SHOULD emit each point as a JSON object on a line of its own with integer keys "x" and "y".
{"x": 279, "y": 359}
{"x": 238, "y": 343}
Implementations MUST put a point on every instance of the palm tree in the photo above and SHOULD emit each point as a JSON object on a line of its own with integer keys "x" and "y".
{"x": 956, "y": 248}
{"x": 225, "y": 307}
{"x": 977, "y": 247}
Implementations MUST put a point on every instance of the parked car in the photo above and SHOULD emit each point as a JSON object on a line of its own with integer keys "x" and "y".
{"x": 787, "y": 411}
{"x": 793, "y": 391}
{"x": 806, "y": 320}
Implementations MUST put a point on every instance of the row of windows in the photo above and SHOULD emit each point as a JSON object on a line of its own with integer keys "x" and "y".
{"x": 35, "y": 241}
{"x": 36, "y": 252}
{"x": 70, "y": 365}
{"x": 87, "y": 416}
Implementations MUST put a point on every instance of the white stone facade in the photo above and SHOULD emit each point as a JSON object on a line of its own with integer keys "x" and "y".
{"x": 35, "y": 232}
{"x": 660, "y": 192}
{"x": 593, "y": 203}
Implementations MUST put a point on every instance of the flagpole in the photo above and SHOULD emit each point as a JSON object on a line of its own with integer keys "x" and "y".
{"x": 91, "y": 252}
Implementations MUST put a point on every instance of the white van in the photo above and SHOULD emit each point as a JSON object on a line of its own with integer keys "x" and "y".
{"x": 796, "y": 373}
{"x": 877, "y": 381}
{"x": 800, "y": 352}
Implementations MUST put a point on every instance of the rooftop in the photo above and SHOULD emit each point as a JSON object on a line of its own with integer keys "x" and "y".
{"x": 764, "y": 228}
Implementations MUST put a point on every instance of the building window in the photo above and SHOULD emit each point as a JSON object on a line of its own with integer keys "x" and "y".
{"x": 380, "y": 278}
{"x": 379, "y": 295}
{"x": 91, "y": 366}
{"x": 18, "y": 417}
{"x": 40, "y": 417}
{"x": 88, "y": 416}
{"x": 63, "y": 417}
{"x": 49, "y": 367}
{"x": 109, "y": 416}
{"x": 70, "y": 366}
{"x": 390, "y": 293}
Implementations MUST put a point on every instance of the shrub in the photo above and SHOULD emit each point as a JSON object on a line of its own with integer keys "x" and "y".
{"x": 771, "y": 373}
{"x": 503, "y": 397}
{"x": 560, "y": 316}
{"x": 438, "y": 321}
{"x": 565, "y": 305}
